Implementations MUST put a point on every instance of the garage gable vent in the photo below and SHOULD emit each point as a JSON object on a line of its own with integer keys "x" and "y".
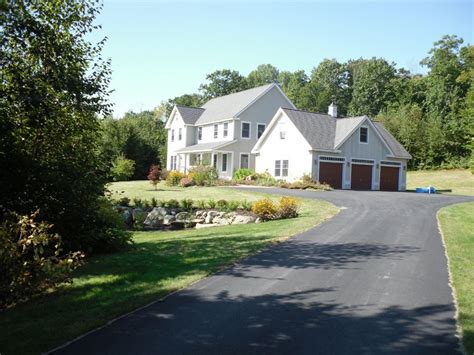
{"x": 394, "y": 163}
{"x": 364, "y": 161}
{"x": 331, "y": 158}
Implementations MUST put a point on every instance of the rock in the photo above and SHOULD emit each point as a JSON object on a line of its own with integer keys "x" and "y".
{"x": 201, "y": 225}
{"x": 127, "y": 216}
{"x": 258, "y": 220}
{"x": 223, "y": 221}
{"x": 168, "y": 219}
{"x": 160, "y": 210}
{"x": 200, "y": 214}
{"x": 184, "y": 217}
{"x": 241, "y": 219}
{"x": 210, "y": 216}
{"x": 198, "y": 220}
{"x": 154, "y": 218}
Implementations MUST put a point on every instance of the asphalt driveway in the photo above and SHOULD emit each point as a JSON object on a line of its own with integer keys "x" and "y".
{"x": 371, "y": 280}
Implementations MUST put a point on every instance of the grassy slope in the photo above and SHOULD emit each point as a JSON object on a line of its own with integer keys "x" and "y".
{"x": 457, "y": 224}
{"x": 160, "y": 263}
{"x": 461, "y": 182}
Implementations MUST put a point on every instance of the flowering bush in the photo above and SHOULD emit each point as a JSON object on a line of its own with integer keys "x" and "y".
{"x": 288, "y": 207}
{"x": 203, "y": 175}
{"x": 242, "y": 173}
{"x": 174, "y": 178}
{"x": 265, "y": 209}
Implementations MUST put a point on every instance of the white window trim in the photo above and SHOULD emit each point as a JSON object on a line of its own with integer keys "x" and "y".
{"x": 199, "y": 136}
{"x": 366, "y": 127}
{"x": 225, "y": 132}
{"x": 215, "y": 129}
{"x": 172, "y": 135}
{"x": 242, "y": 130}
{"x": 180, "y": 134}
{"x": 275, "y": 168}
{"x": 226, "y": 162}
{"x": 264, "y": 128}
{"x": 240, "y": 160}
{"x": 287, "y": 168}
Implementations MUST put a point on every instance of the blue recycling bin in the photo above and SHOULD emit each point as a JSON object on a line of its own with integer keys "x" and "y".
{"x": 426, "y": 190}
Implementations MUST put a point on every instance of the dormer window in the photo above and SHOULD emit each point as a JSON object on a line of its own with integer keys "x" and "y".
{"x": 364, "y": 135}
{"x": 199, "y": 133}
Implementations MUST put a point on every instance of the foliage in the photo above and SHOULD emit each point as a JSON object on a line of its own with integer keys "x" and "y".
{"x": 122, "y": 168}
{"x": 31, "y": 258}
{"x": 154, "y": 202}
{"x": 222, "y": 204}
{"x": 204, "y": 175}
{"x": 54, "y": 87}
{"x": 303, "y": 185}
{"x": 172, "y": 203}
{"x": 154, "y": 174}
{"x": 139, "y": 219}
{"x": 246, "y": 205}
{"x": 201, "y": 204}
{"x": 137, "y": 202}
{"x": 242, "y": 173}
{"x": 223, "y": 82}
{"x": 124, "y": 201}
{"x": 174, "y": 178}
{"x": 211, "y": 203}
{"x": 186, "y": 182}
{"x": 232, "y": 206}
{"x": 288, "y": 207}
{"x": 265, "y": 209}
{"x": 264, "y": 74}
{"x": 186, "y": 204}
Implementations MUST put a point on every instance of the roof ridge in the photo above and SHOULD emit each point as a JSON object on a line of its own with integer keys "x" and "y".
{"x": 198, "y": 108}
{"x": 238, "y": 92}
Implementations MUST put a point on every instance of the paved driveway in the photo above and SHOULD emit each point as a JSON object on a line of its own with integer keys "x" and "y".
{"x": 371, "y": 280}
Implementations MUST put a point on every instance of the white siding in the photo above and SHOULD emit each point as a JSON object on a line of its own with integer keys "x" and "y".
{"x": 208, "y": 132}
{"x": 176, "y": 123}
{"x": 293, "y": 148}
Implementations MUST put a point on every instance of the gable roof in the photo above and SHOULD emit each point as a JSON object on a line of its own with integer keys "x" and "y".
{"x": 397, "y": 149}
{"x": 327, "y": 133}
{"x": 189, "y": 114}
{"x": 228, "y": 106}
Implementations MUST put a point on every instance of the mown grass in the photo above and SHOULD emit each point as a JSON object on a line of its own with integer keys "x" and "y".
{"x": 161, "y": 262}
{"x": 460, "y": 181}
{"x": 457, "y": 225}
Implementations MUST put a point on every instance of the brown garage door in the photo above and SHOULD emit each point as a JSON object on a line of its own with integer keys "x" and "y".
{"x": 361, "y": 177}
{"x": 331, "y": 174}
{"x": 389, "y": 178}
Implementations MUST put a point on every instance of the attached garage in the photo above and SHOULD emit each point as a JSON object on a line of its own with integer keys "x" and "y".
{"x": 389, "y": 176}
{"x": 330, "y": 172}
{"x": 361, "y": 174}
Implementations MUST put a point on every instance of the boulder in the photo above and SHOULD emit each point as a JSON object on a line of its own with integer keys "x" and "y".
{"x": 198, "y": 220}
{"x": 241, "y": 219}
{"x": 221, "y": 220}
{"x": 184, "y": 217}
{"x": 210, "y": 216}
{"x": 168, "y": 219}
{"x": 154, "y": 218}
{"x": 127, "y": 216}
{"x": 201, "y": 225}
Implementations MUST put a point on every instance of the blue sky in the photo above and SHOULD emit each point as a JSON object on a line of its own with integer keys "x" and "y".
{"x": 162, "y": 49}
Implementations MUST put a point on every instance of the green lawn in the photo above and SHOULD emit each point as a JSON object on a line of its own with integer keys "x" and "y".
{"x": 460, "y": 181}
{"x": 457, "y": 224}
{"x": 160, "y": 263}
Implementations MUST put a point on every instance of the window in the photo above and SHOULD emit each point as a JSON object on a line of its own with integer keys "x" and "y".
{"x": 245, "y": 129}
{"x": 224, "y": 162}
{"x": 260, "y": 129}
{"x": 282, "y": 134}
{"x": 363, "y": 135}
{"x": 226, "y": 129}
{"x": 172, "y": 135}
{"x": 216, "y": 131}
{"x": 277, "y": 167}
{"x": 284, "y": 170}
{"x": 199, "y": 133}
{"x": 244, "y": 161}
{"x": 173, "y": 162}
{"x": 214, "y": 161}
{"x": 180, "y": 134}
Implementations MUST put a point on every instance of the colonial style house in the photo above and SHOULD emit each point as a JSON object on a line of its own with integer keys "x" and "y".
{"x": 262, "y": 130}
{"x": 223, "y": 131}
{"x": 347, "y": 153}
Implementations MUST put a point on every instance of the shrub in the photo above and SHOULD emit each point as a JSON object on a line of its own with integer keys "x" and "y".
{"x": 146, "y": 205}
{"x": 233, "y": 205}
{"x": 186, "y": 182}
{"x": 186, "y": 204}
{"x": 172, "y": 203}
{"x": 122, "y": 168}
{"x": 31, "y": 258}
{"x": 264, "y": 209}
{"x": 222, "y": 204}
{"x": 137, "y": 202}
{"x": 211, "y": 203}
{"x": 154, "y": 175}
{"x": 124, "y": 201}
{"x": 164, "y": 174}
{"x": 174, "y": 178}
{"x": 242, "y": 173}
{"x": 154, "y": 202}
{"x": 161, "y": 203}
{"x": 246, "y": 205}
{"x": 307, "y": 178}
{"x": 203, "y": 175}
{"x": 139, "y": 219}
{"x": 201, "y": 204}
{"x": 288, "y": 207}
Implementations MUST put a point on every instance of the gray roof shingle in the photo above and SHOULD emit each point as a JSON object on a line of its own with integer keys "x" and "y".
{"x": 229, "y": 106}
{"x": 189, "y": 114}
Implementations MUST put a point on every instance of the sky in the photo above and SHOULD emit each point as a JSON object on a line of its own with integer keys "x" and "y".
{"x": 163, "y": 49}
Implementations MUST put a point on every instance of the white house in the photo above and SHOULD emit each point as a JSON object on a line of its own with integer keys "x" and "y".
{"x": 347, "y": 153}
{"x": 223, "y": 131}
